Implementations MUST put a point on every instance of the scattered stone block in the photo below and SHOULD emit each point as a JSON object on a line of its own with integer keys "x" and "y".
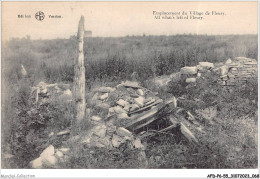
{"x": 189, "y": 70}
{"x": 123, "y": 132}
{"x": 95, "y": 142}
{"x": 223, "y": 70}
{"x": 49, "y": 161}
{"x": 127, "y": 108}
{"x": 137, "y": 144}
{"x": 105, "y": 141}
{"x": 117, "y": 140}
{"x": 49, "y": 151}
{"x": 96, "y": 118}
{"x": 86, "y": 139}
{"x": 139, "y": 101}
{"x": 131, "y": 84}
{"x": 67, "y": 93}
{"x": 122, "y": 116}
{"x": 140, "y": 92}
{"x": 95, "y": 98}
{"x": 100, "y": 130}
{"x": 105, "y": 89}
{"x": 134, "y": 107}
{"x": 103, "y": 106}
{"x": 111, "y": 130}
{"x": 206, "y": 65}
{"x": 229, "y": 61}
{"x": 104, "y": 96}
{"x": 116, "y": 109}
{"x": 36, "y": 163}
{"x": 191, "y": 80}
{"x": 64, "y": 150}
{"x": 122, "y": 102}
{"x": 59, "y": 154}
{"x": 51, "y": 134}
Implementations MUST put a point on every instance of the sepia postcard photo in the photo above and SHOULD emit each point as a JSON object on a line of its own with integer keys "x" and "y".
{"x": 129, "y": 85}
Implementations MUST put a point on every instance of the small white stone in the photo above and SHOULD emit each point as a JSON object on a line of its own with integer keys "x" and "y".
{"x": 105, "y": 89}
{"x": 88, "y": 112}
{"x": 123, "y": 132}
{"x": 24, "y": 72}
{"x": 223, "y": 70}
{"x": 134, "y": 107}
{"x": 48, "y": 152}
{"x": 122, "y": 102}
{"x": 51, "y": 134}
{"x": 86, "y": 140}
{"x": 44, "y": 91}
{"x": 189, "y": 70}
{"x": 64, "y": 150}
{"x": 207, "y": 65}
{"x": 139, "y": 101}
{"x": 140, "y": 92}
{"x": 36, "y": 163}
{"x": 228, "y": 61}
{"x": 67, "y": 92}
{"x": 122, "y": 116}
{"x": 100, "y": 130}
{"x": 116, "y": 109}
{"x": 59, "y": 154}
{"x": 49, "y": 161}
{"x": 191, "y": 80}
{"x": 96, "y": 118}
{"x": 104, "y": 96}
{"x": 137, "y": 144}
{"x": 116, "y": 140}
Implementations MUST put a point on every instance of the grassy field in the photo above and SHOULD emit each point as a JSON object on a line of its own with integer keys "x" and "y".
{"x": 117, "y": 58}
{"x": 231, "y": 142}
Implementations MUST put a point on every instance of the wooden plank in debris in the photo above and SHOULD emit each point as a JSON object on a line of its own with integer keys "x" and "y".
{"x": 188, "y": 134}
{"x": 145, "y": 107}
{"x": 64, "y": 132}
{"x": 163, "y": 130}
{"x": 149, "y": 101}
{"x": 131, "y": 84}
{"x": 139, "y": 118}
{"x": 146, "y": 123}
{"x": 173, "y": 120}
{"x": 250, "y": 63}
{"x": 170, "y": 127}
{"x": 156, "y": 113}
{"x": 149, "y": 121}
{"x": 190, "y": 124}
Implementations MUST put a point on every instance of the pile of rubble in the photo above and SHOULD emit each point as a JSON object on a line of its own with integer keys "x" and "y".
{"x": 238, "y": 71}
{"x": 50, "y": 157}
{"x": 129, "y": 112}
{"x": 119, "y": 115}
{"x": 233, "y": 72}
{"x": 113, "y": 110}
{"x": 43, "y": 91}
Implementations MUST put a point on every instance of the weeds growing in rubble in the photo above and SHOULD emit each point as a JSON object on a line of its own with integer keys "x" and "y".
{"x": 231, "y": 140}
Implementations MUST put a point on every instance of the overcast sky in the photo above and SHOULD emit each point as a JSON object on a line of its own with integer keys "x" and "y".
{"x": 126, "y": 18}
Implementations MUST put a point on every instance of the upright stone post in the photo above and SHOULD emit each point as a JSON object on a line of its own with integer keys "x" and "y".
{"x": 79, "y": 76}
